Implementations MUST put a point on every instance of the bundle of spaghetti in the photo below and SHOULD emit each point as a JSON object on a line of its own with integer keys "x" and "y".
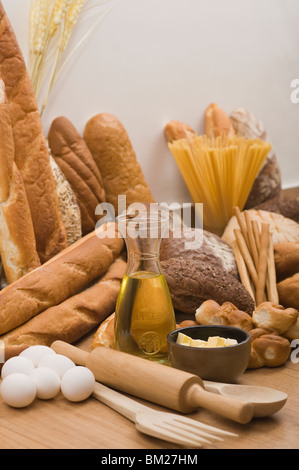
{"x": 219, "y": 172}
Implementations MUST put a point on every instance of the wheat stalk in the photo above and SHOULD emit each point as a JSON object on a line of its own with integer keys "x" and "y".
{"x": 51, "y": 25}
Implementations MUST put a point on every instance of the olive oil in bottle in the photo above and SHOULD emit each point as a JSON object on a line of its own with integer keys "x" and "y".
{"x": 144, "y": 315}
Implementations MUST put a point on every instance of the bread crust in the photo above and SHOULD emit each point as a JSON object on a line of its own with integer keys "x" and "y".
{"x": 17, "y": 238}
{"x": 211, "y": 313}
{"x": 217, "y": 122}
{"x": 268, "y": 349}
{"x": 274, "y": 317}
{"x": 59, "y": 278}
{"x": 175, "y": 130}
{"x": 31, "y": 154}
{"x": 74, "y": 317}
{"x": 115, "y": 157}
{"x": 77, "y": 164}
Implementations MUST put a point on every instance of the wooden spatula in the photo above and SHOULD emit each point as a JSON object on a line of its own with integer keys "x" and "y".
{"x": 157, "y": 383}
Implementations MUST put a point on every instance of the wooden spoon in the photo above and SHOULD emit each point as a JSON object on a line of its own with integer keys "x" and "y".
{"x": 265, "y": 400}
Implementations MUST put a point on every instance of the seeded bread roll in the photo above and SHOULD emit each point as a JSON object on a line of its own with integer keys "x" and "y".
{"x": 74, "y": 159}
{"x": 191, "y": 284}
{"x": 31, "y": 153}
{"x": 17, "y": 238}
{"x": 74, "y": 317}
{"x": 202, "y": 246}
{"x": 114, "y": 155}
{"x": 59, "y": 278}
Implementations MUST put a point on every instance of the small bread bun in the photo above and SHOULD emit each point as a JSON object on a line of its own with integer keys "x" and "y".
{"x": 211, "y": 313}
{"x": 292, "y": 332}
{"x": 268, "y": 349}
{"x": 274, "y": 317}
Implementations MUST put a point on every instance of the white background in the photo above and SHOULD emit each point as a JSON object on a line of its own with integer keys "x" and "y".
{"x": 151, "y": 61}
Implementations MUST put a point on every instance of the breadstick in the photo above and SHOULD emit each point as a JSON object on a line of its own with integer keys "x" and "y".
{"x": 246, "y": 255}
{"x": 262, "y": 267}
{"x": 245, "y": 279}
{"x": 271, "y": 274}
{"x": 251, "y": 239}
{"x": 256, "y": 232}
{"x": 238, "y": 215}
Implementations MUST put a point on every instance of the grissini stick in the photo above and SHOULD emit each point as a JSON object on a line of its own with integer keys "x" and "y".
{"x": 154, "y": 382}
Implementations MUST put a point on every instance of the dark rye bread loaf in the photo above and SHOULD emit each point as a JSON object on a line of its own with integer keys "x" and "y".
{"x": 200, "y": 245}
{"x": 191, "y": 283}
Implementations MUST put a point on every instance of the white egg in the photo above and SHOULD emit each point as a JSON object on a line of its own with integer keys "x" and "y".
{"x": 36, "y": 353}
{"x": 17, "y": 364}
{"x": 47, "y": 382}
{"x": 18, "y": 390}
{"x": 59, "y": 363}
{"x": 78, "y": 383}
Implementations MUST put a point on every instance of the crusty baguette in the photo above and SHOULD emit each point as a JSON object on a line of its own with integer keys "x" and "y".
{"x": 31, "y": 153}
{"x": 17, "y": 239}
{"x": 114, "y": 155}
{"x": 73, "y": 157}
{"x": 73, "y": 318}
{"x": 59, "y": 278}
{"x": 175, "y": 130}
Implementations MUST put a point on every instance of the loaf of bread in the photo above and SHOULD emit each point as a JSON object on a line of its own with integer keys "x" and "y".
{"x": 269, "y": 316}
{"x": 211, "y": 313}
{"x": 114, "y": 155}
{"x": 217, "y": 122}
{"x": 288, "y": 291}
{"x": 286, "y": 257}
{"x": 31, "y": 153}
{"x": 70, "y": 210}
{"x": 175, "y": 130}
{"x": 191, "y": 284}
{"x": 267, "y": 184}
{"x": 104, "y": 336}
{"x": 17, "y": 238}
{"x": 74, "y": 159}
{"x": 268, "y": 349}
{"x": 286, "y": 206}
{"x": 59, "y": 278}
{"x": 74, "y": 317}
{"x": 282, "y": 229}
{"x": 204, "y": 247}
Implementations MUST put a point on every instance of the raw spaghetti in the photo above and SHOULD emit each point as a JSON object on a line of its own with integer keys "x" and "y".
{"x": 219, "y": 173}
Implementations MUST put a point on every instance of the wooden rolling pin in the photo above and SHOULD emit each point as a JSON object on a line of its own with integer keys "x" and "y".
{"x": 157, "y": 383}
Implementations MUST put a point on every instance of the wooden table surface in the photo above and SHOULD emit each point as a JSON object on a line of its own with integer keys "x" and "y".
{"x": 60, "y": 424}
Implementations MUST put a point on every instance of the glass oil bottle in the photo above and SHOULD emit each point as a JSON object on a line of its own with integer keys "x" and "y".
{"x": 144, "y": 313}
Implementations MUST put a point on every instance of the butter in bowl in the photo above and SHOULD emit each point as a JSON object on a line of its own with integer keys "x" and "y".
{"x": 213, "y": 352}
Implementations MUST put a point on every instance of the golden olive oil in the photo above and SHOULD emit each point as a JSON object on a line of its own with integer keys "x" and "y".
{"x": 144, "y": 315}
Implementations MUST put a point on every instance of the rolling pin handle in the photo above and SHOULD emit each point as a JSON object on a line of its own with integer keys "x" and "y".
{"x": 77, "y": 355}
{"x": 228, "y": 407}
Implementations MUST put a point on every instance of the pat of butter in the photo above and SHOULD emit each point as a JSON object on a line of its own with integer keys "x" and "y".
{"x": 198, "y": 343}
{"x": 184, "y": 339}
{"x": 215, "y": 341}
{"x": 212, "y": 342}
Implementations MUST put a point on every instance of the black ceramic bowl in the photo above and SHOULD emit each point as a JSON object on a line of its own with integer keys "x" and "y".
{"x": 219, "y": 364}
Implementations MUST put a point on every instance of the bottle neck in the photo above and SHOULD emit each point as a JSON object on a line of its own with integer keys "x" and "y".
{"x": 143, "y": 256}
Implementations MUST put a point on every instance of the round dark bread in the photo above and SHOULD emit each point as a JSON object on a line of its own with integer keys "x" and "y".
{"x": 206, "y": 249}
{"x": 191, "y": 283}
